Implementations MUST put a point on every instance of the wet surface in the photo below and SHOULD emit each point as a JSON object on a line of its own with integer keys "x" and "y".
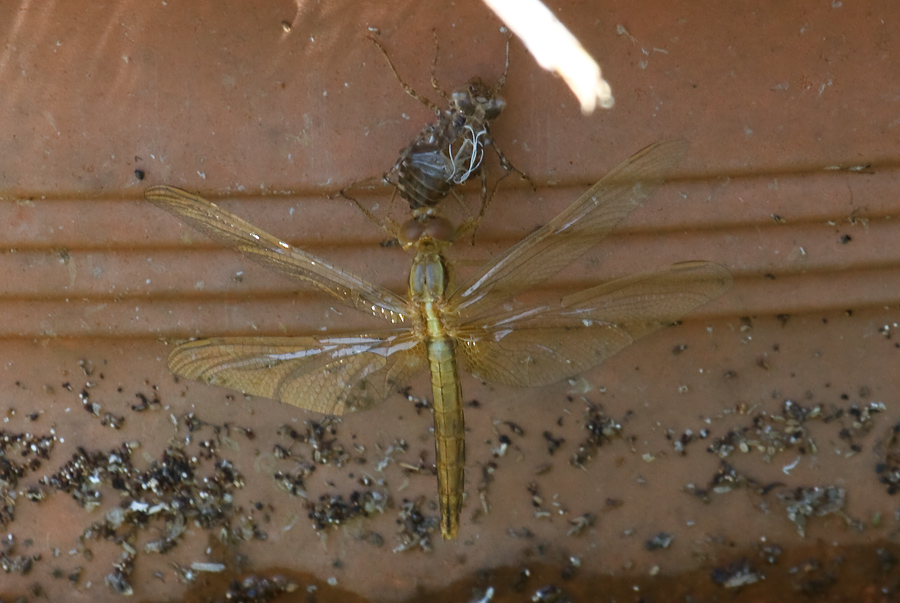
{"x": 750, "y": 453}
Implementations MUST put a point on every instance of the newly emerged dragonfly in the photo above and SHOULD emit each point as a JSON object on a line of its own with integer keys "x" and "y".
{"x": 437, "y": 322}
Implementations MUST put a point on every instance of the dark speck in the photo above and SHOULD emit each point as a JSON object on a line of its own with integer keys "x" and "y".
{"x": 886, "y": 560}
{"x": 660, "y": 541}
{"x": 552, "y": 443}
{"x": 515, "y": 428}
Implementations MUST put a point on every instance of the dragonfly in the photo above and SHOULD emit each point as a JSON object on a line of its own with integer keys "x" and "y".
{"x": 438, "y": 323}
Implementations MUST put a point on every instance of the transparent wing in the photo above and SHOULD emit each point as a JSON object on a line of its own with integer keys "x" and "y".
{"x": 332, "y": 375}
{"x": 578, "y": 228}
{"x": 542, "y": 345}
{"x": 265, "y": 249}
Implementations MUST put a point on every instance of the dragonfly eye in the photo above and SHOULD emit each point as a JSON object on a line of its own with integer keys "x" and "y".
{"x": 435, "y": 228}
{"x": 439, "y": 229}
{"x": 410, "y": 232}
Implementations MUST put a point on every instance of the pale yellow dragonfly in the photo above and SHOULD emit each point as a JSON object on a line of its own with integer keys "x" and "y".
{"x": 437, "y": 322}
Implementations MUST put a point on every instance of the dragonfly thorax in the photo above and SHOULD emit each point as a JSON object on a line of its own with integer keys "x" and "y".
{"x": 428, "y": 276}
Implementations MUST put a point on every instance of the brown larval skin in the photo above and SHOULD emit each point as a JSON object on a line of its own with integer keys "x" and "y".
{"x": 450, "y": 150}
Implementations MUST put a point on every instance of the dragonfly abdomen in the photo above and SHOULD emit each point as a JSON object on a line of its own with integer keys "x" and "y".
{"x": 449, "y": 432}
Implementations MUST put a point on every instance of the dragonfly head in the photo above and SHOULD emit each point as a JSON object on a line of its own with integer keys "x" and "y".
{"x": 426, "y": 227}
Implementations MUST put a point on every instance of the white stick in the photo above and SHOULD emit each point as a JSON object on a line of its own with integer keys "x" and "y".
{"x": 556, "y": 49}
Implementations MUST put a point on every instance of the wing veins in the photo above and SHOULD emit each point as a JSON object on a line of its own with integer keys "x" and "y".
{"x": 230, "y": 230}
{"x": 542, "y": 345}
{"x": 331, "y": 375}
{"x": 569, "y": 235}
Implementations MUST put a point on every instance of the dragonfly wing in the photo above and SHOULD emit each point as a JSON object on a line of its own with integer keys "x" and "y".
{"x": 263, "y": 248}
{"x": 549, "y": 343}
{"x": 583, "y": 224}
{"x": 332, "y": 375}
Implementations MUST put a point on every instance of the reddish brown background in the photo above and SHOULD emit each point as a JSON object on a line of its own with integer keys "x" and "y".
{"x": 221, "y": 99}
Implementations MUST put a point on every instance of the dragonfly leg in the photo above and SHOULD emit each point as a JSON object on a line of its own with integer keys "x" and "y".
{"x": 472, "y": 223}
{"x": 434, "y": 81}
{"x": 502, "y": 79}
{"x": 406, "y": 87}
{"x": 508, "y": 168}
{"x": 386, "y": 224}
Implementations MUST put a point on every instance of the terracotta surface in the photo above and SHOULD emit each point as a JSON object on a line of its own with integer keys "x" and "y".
{"x": 790, "y": 182}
